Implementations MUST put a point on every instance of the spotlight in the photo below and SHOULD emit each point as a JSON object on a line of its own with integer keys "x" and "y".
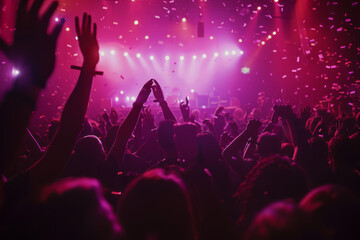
{"x": 227, "y": 53}
{"x": 136, "y": 22}
{"x": 192, "y": 90}
{"x": 126, "y": 54}
{"x": 116, "y": 99}
{"x": 133, "y": 99}
{"x": 146, "y": 37}
{"x": 258, "y": 8}
{"x": 67, "y": 29}
{"x": 274, "y": 33}
{"x": 112, "y": 52}
{"x": 233, "y": 52}
{"x": 138, "y": 55}
{"x": 211, "y": 37}
{"x": 152, "y": 58}
{"x": 182, "y": 58}
{"x": 56, "y": 19}
{"x": 102, "y": 53}
{"x": 194, "y": 57}
{"x": 276, "y": 1}
{"x": 128, "y": 99}
{"x": 216, "y": 54}
{"x": 183, "y": 20}
{"x": 245, "y": 70}
{"x": 204, "y": 56}
{"x": 121, "y": 92}
{"x": 15, "y": 72}
{"x": 240, "y": 40}
{"x": 167, "y": 58}
{"x": 269, "y": 37}
{"x": 263, "y": 43}
{"x": 241, "y": 52}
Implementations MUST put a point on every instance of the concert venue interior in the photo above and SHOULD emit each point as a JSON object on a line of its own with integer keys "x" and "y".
{"x": 246, "y": 56}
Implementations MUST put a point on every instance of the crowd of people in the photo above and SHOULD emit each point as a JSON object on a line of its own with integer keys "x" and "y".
{"x": 238, "y": 175}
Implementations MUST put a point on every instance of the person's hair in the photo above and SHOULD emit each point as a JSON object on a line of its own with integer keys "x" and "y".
{"x": 87, "y": 158}
{"x": 156, "y": 206}
{"x": 209, "y": 149}
{"x": 287, "y": 150}
{"x": 272, "y": 179}
{"x": 269, "y": 145}
{"x": 73, "y": 209}
{"x": 334, "y": 212}
{"x": 280, "y": 221}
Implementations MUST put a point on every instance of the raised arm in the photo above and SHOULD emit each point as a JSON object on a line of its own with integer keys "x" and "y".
{"x": 33, "y": 54}
{"x": 159, "y": 96}
{"x": 117, "y": 151}
{"x": 55, "y": 159}
{"x": 239, "y": 142}
{"x": 185, "y": 110}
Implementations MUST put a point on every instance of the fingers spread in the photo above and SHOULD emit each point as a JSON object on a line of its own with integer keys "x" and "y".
{"x": 95, "y": 31}
{"x": 84, "y": 20}
{"x": 77, "y": 27}
{"x": 57, "y": 30}
{"x": 21, "y": 10}
{"x": 34, "y": 11}
{"x": 48, "y": 14}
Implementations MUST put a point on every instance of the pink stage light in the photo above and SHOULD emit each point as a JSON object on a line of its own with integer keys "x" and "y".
{"x": 116, "y": 99}
{"x": 182, "y": 58}
{"x": 138, "y": 55}
{"x": 245, "y": 70}
{"x": 152, "y": 58}
{"x": 167, "y": 58}
{"x": 183, "y": 20}
{"x": 194, "y": 57}
{"x": 15, "y": 72}
{"x": 126, "y": 54}
{"x": 136, "y": 22}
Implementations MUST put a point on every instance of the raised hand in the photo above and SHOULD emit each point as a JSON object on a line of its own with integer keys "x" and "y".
{"x": 185, "y": 110}
{"x": 33, "y": 49}
{"x": 144, "y": 93}
{"x": 158, "y": 93}
{"x": 88, "y": 43}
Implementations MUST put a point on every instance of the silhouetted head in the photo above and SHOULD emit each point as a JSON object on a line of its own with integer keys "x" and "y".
{"x": 209, "y": 149}
{"x": 342, "y": 154}
{"x": 185, "y": 140}
{"x": 287, "y": 150}
{"x": 75, "y": 209}
{"x": 87, "y": 158}
{"x": 334, "y": 212}
{"x": 269, "y": 145}
{"x": 156, "y": 206}
{"x": 272, "y": 179}
{"x": 280, "y": 221}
